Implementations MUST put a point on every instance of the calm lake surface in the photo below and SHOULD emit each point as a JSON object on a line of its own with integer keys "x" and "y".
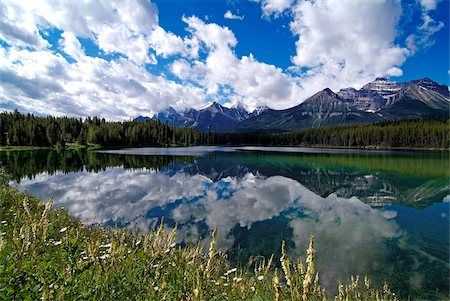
{"x": 381, "y": 214}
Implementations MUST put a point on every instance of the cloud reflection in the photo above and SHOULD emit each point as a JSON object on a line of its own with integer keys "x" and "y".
{"x": 345, "y": 228}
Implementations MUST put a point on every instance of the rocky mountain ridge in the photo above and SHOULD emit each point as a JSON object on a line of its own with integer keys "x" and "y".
{"x": 375, "y": 102}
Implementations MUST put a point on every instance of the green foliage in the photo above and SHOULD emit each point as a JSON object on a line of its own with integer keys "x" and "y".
{"x": 28, "y": 130}
{"x": 417, "y": 133}
{"x": 46, "y": 254}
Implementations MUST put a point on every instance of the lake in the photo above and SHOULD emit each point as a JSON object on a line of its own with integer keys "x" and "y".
{"x": 378, "y": 213}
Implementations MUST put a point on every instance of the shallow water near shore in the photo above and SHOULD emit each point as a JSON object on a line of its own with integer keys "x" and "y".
{"x": 384, "y": 214}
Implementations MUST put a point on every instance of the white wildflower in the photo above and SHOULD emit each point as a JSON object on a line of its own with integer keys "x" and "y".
{"x": 238, "y": 280}
{"x": 104, "y": 256}
{"x": 57, "y": 243}
{"x": 225, "y": 284}
{"x": 260, "y": 278}
{"x": 105, "y": 246}
{"x": 62, "y": 230}
{"x": 138, "y": 242}
{"x": 173, "y": 245}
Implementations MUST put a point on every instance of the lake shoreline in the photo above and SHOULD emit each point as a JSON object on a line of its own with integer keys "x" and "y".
{"x": 258, "y": 199}
{"x": 28, "y": 148}
{"x": 101, "y": 148}
{"x": 151, "y": 265}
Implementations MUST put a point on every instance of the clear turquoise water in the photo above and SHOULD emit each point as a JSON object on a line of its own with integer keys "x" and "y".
{"x": 381, "y": 214}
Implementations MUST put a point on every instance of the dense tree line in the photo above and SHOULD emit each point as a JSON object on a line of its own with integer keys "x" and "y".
{"x": 420, "y": 133}
{"x": 17, "y": 129}
{"x": 417, "y": 133}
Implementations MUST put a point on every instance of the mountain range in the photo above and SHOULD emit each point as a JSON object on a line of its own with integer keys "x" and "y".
{"x": 376, "y": 101}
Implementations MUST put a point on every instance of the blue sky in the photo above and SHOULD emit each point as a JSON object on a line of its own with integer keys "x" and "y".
{"x": 121, "y": 59}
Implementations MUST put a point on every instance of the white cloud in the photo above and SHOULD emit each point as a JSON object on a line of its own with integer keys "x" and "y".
{"x": 18, "y": 25}
{"x": 71, "y": 45}
{"x": 248, "y": 80}
{"x": 242, "y": 201}
{"x": 213, "y": 36}
{"x": 275, "y": 7}
{"x": 117, "y": 40}
{"x": 37, "y": 79}
{"x": 45, "y": 83}
{"x": 81, "y": 18}
{"x": 166, "y": 43}
{"x": 230, "y": 15}
{"x": 360, "y": 48}
{"x": 422, "y": 38}
{"x": 429, "y": 4}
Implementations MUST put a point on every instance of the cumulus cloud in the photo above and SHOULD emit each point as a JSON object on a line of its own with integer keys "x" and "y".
{"x": 44, "y": 82}
{"x": 230, "y": 15}
{"x": 166, "y": 43}
{"x": 351, "y": 54}
{"x": 39, "y": 80}
{"x": 252, "y": 82}
{"x": 88, "y": 19}
{"x": 119, "y": 82}
{"x": 122, "y": 87}
{"x": 275, "y": 7}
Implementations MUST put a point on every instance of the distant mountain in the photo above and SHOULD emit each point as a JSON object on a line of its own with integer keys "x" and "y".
{"x": 324, "y": 108}
{"x": 259, "y": 110}
{"x": 214, "y": 117}
{"x": 168, "y": 115}
{"x": 376, "y": 101}
{"x": 142, "y": 118}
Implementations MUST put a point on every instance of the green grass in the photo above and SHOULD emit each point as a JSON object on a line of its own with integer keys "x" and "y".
{"x": 47, "y": 254}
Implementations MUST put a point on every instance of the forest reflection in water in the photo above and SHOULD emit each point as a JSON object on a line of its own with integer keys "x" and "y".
{"x": 363, "y": 208}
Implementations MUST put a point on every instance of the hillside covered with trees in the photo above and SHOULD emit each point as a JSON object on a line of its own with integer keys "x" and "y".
{"x": 28, "y": 130}
{"x": 17, "y": 129}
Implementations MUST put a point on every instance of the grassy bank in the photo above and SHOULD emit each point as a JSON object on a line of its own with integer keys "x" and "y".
{"x": 47, "y": 254}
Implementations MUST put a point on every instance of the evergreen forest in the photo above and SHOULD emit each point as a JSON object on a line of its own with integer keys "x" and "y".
{"x": 18, "y": 129}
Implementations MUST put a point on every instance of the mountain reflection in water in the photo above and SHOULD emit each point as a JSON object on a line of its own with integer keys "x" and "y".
{"x": 362, "y": 216}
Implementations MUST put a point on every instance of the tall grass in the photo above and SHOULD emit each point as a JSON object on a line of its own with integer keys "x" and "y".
{"x": 45, "y": 254}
